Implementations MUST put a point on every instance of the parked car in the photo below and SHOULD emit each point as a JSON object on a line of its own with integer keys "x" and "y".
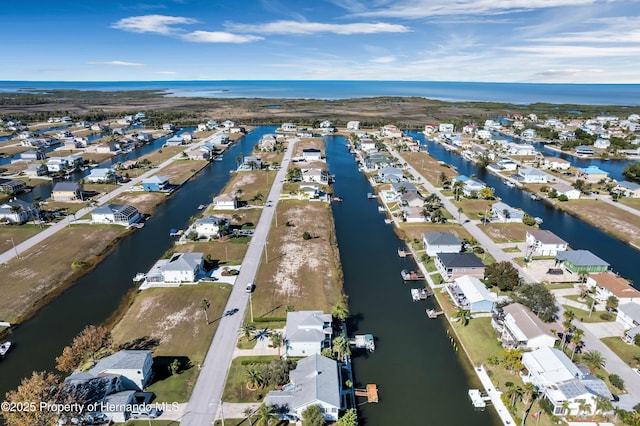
{"x": 250, "y": 287}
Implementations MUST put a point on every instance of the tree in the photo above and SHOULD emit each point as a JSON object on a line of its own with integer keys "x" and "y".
{"x": 276, "y": 340}
{"x": 594, "y": 360}
{"x": 205, "y": 305}
{"x": 248, "y": 412}
{"x": 236, "y": 218}
{"x": 306, "y": 236}
{"x": 463, "y": 315}
{"x": 41, "y": 387}
{"x": 487, "y": 193}
{"x": 576, "y": 341}
{"x": 632, "y": 172}
{"x": 255, "y": 378}
{"x": 503, "y": 275}
{"x": 85, "y": 346}
{"x": 340, "y": 346}
{"x": 248, "y": 328}
{"x": 349, "y": 418}
{"x": 460, "y": 211}
{"x": 616, "y": 381}
{"x": 264, "y": 415}
{"x": 341, "y": 310}
{"x": 174, "y": 367}
{"x": 513, "y": 393}
{"x": 511, "y": 359}
{"x": 312, "y": 416}
{"x": 457, "y": 187}
{"x": 603, "y": 404}
{"x": 537, "y": 298}
{"x": 612, "y": 303}
{"x": 579, "y": 184}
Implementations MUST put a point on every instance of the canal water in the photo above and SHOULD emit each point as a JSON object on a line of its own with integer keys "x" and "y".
{"x": 577, "y": 233}
{"x": 420, "y": 377}
{"x": 95, "y": 296}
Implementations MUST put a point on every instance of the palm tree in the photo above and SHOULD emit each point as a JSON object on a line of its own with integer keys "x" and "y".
{"x": 255, "y": 379}
{"x": 341, "y": 310}
{"x": 276, "y": 340}
{"x": 576, "y": 340}
{"x": 569, "y": 315}
{"x": 464, "y": 316}
{"x": 236, "y": 218}
{"x": 248, "y": 328}
{"x": 264, "y": 414}
{"x": 258, "y": 197}
{"x": 460, "y": 211}
{"x": 341, "y": 347}
{"x": 594, "y": 360}
{"x": 204, "y": 305}
{"x": 566, "y": 325}
{"x": 248, "y": 412}
{"x": 603, "y": 404}
{"x": 513, "y": 392}
{"x": 457, "y": 187}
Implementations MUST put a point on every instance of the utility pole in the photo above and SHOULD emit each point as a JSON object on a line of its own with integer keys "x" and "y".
{"x": 14, "y": 247}
{"x": 251, "y": 304}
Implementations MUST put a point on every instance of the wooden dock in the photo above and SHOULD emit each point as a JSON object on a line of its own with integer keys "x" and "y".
{"x": 371, "y": 392}
{"x": 432, "y": 313}
{"x": 402, "y": 252}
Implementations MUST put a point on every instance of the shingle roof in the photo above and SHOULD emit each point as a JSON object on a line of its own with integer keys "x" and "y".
{"x": 306, "y": 326}
{"x": 616, "y": 285}
{"x": 460, "y": 260}
{"x": 581, "y": 258}
{"x": 122, "y": 360}
{"x": 632, "y": 310}
{"x": 530, "y": 325}
{"x": 546, "y": 237}
{"x": 441, "y": 239}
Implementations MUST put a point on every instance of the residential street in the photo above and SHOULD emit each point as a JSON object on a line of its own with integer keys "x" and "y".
{"x": 206, "y": 397}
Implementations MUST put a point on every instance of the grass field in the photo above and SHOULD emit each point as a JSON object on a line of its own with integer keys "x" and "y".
{"x": 475, "y": 208}
{"x": 631, "y": 202}
{"x": 18, "y": 233}
{"x": 235, "y": 389}
{"x": 162, "y": 154}
{"x": 415, "y": 231}
{"x": 628, "y": 353}
{"x": 172, "y": 321}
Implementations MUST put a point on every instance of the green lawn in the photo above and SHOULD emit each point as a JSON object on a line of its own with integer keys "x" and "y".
{"x": 583, "y": 315}
{"x": 628, "y": 353}
{"x": 235, "y": 389}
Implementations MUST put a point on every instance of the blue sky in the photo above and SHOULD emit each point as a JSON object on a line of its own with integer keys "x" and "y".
{"x": 565, "y": 41}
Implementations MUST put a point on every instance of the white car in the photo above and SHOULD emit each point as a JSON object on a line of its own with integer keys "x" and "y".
{"x": 249, "y": 288}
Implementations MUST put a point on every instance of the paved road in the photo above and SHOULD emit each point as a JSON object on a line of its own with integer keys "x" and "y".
{"x": 52, "y": 229}
{"x": 207, "y": 393}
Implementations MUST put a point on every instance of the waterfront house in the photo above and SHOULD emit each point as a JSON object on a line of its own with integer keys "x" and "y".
{"x": 309, "y": 191}
{"x": 133, "y": 366}
{"x": 99, "y": 175}
{"x": 520, "y": 149}
{"x": 529, "y": 134}
{"x": 579, "y": 261}
{"x": 445, "y": 128}
{"x": 237, "y": 129}
{"x": 110, "y": 147}
{"x": 592, "y": 174}
{"x": 483, "y": 134}
{"x": 531, "y": 175}
{"x": 326, "y": 124}
{"x": 492, "y": 125}
{"x": 210, "y": 226}
{"x": 454, "y": 265}
{"x": 541, "y": 242}
{"x": 391, "y": 131}
{"x": 32, "y": 155}
{"x": 57, "y": 164}
{"x": 629, "y": 315}
{"x": 145, "y": 137}
{"x": 602, "y": 143}
{"x": 175, "y": 140}
{"x": 507, "y": 164}
{"x": 12, "y": 186}
{"x": 15, "y": 210}
{"x": 115, "y": 214}
{"x": 311, "y": 154}
{"x": 471, "y": 186}
{"x": 225, "y": 202}
{"x": 314, "y": 381}
{"x": 471, "y": 294}
{"x": 377, "y": 161}
{"x": 584, "y": 150}
{"x": 35, "y": 170}
{"x": 316, "y": 175}
{"x": 155, "y": 183}
{"x": 628, "y": 189}
{"x": 568, "y": 389}
{"x": 268, "y": 142}
{"x": 567, "y": 190}
{"x": 307, "y": 333}
{"x": 178, "y": 269}
{"x": 519, "y": 328}
{"x": 411, "y": 199}
{"x": 368, "y": 145}
{"x": 288, "y": 127}
{"x": 250, "y": 163}
{"x": 555, "y": 163}
{"x": 413, "y": 214}
{"x": 168, "y": 127}
{"x": 67, "y": 191}
{"x": 390, "y": 175}
{"x": 105, "y": 392}
{"x": 441, "y": 242}
{"x": 607, "y": 284}
{"x": 353, "y": 125}
{"x": 102, "y": 128}
{"x": 505, "y": 213}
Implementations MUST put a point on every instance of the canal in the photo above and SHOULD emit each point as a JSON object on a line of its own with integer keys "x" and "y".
{"x": 577, "y": 233}
{"x": 421, "y": 379}
{"x": 95, "y": 296}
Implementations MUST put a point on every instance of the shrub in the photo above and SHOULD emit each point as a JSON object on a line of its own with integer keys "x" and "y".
{"x": 563, "y": 197}
{"x": 306, "y": 236}
{"x": 606, "y": 316}
{"x": 616, "y": 381}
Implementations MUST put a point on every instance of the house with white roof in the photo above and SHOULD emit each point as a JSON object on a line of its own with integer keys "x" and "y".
{"x": 314, "y": 381}
{"x": 133, "y": 365}
{"x": 391, "y": 131}
{"x": 607, "y": 284}
{"x": 541, "y": 242}
{"x": 470, "y": 293}
{"x": 529, "y": 134}
{"x": 505, "y": 213}
{"x": 445, "y": 128}
{"x": 555, "y": 163}
{"x": 629, "y": 315}
{"x": 483, "y": 134}
{"x": 175, "y": 140}
{"x": 441, "y": 242}
{"x": 210, "y": 226}
{"x": 316, "y": 175}
{"x": 288, "y": 127}
{"x": 225, "y": 202}
{"x": 492, "y": 125}
{"x": 311, "y": 154}
{"x": 307, "y": 333}
{"x": 602, "y": 143}
{"x": 520, "y": 149}
{"x": 531, "y": 175}
{"x": 584, "y": 150}
{"x": 368, "y": 145}
{"x": 101, "y": 174}
{"x": 353, "y": 125}
{"x": 471, "y": 186}
{"x": 155, "y": 183}
{"x": 180, "y": 268}
{"x": 390, "y": 175}
{"x": 115, "y": 214}
{"x": 519, "y": 328}
{"x": 562, "y": 382}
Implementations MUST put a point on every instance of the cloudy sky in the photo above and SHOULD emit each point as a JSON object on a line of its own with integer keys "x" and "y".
{"x": 568, "y": 41}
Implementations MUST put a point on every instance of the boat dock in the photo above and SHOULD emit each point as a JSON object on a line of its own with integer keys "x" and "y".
{"x": 371, "y": 196}
{"x": 432, "y": 313}
{"x": 411, "y": 275}
{"x": 371, "y": 392}
{"x": 418, "y": 294}
{"x": 175, "y": 232}
{"x": 477, "y": 399}
{"x": 363, "y": 341}
{"x": 402, "y": 252}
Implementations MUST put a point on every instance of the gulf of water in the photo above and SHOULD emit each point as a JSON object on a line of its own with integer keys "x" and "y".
{"x": 517, "y": 93}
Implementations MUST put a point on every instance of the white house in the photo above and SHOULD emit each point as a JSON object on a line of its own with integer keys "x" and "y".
{"x": 57, "y": 164}
{"x": 567, "y": 190}
{"x": 178, "y": 269}
{"x": 175, "y": 140}
{"x": 15, "y": 210}
{"x": 520, "y": 149}
{"x": 368, "y": 145}
{"x": 606, "y": 284}
{"x": 115, "y": 214}
{"x": 602, "y": 143}
{"x": 441, "y": 242}
{"x": 483, "y": 134}
{"x": 507, "y": 164}
{"x": 353, "y": 125}
{"x": 391, "y": 131}
{"x": 225, "y": 202}
{"x": 506, "y": 214}
{"x": 133, "y": 365}
{"x": 519, "y": 328}
{"x": 288, "y": 127}
{"x": 556, "y": 163}
{"x": 629, "y": 315}
{"x": 315, "y": 380}
{"x": 531, "y": 175}
{"x": 544, "y": 243}
{"x": 470, "y": 293}
{"x": 445, "y": 128}
{"x": 307, "y": 333}
{"x": 529, "y": 134}
{"x": 628, "y": 189}
{"x": 100, "y": 174}
{"x": 315, "y": 175}
{"x": 311, "y": 154}
{"x": 210, "y": 226}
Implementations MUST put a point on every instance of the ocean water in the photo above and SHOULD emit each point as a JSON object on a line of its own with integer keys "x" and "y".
{"x": 515, "y": 93}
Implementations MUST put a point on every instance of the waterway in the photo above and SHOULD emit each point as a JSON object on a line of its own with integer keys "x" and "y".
{"x": 95, "y": 296}
{"x": 576, "y": 232}
{"x": 421, "y": 378}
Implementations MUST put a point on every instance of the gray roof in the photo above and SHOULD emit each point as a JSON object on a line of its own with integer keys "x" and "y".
{"x": 629, "y": 185}
{"x": 460, "y": 260}
{"x": 118, "y": 399}
{"x": 66, "y": 186}
{"x": 183, "y": 262}
{"x": 122, "y": 360}
{"x": 406, "y": 185}
{"x": 632, "y": 310}
{"x": 315, "y": 378}
{"x": 156, "y": 179}
{"x": 580, "y": 258}
{"x": 306, "y": 326}
{"x": 116, "y": 208}
{"x": 546, "y": 237}
{"x": 441, "y": 239}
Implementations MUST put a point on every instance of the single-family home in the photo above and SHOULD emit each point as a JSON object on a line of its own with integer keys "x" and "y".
{"x": 507, "y": 164}
{"x": 567, "y": 190}
{"x": 178, "y": 269}
{"x": 629, "y": 315}
{"x": 556, "y": 163}
{"x": 520, "y": 149}
{"x": 32, "y": 155}
{"x": 353, "y": 125}
{"x": 225, "y": 202}
{"x": 103, "y": 128}
{"x": 531, "y": 175}
{"x": 210, "y": 226}
{"x": 134, "y": 367}
{"x": 519, "y": 328}
{"x": 376, "y": 161}
{"x": 411, "y": 199}
{"x": 592, "y": 174}
{"x": 12, "y": 186}
{"x": 145, "y": 137}
{"x": 168, "y": 127}
{"x": 110, "y": 147}
{"x": 445, "y": 128}
{"x": 57, "y": 164}
{"x": 314, "y": 381}
{"x": 454, "y": 265}
{"x": 584, "y": 150}
{"x": 607, "y": 284}
{"x": 268, "y": 142}
{"x": 492, "y": 125}
{"x": 579, "y": 261}
{"x": 471, "y": 294}
{"x": 529, "y": 134}
{"x": 441, "y": 242}
{"x": 471, "y": 186}
{"x": 311, "y": 154}
{"x": 602, "y": 143}
{"x": 390, "y": 175}
{"x": 100, "y": 174}
{"x": 505, "y": 213}
{"x": 541, "y": 242}
{"x": 399, "y": 188}
{"x": 104, "y": 393}
{"x": 309, "y": 190}
{"x": 413, "y": 214}
{"x": 326, "y": 124}
{"x": 628, "y": 189}
{"x": 237, "y": 129}
{"x": 368, "y": 145}
{"x": 15, "y": 210}
{"x": 554, "y": 123}
{"x": 288, "y": 127}
{"x": 155, "y": 183}
{"x": 67, "y": 191}
{"x": 483, "y": 134}
{"x": 316, "y": 175}
{"x": 175, "y": 140}
{"x": 391, "y": 131}
{"x": 35, "y": 170}
{"x": 307, "y": 333}
{"x": 560, "y": 381}
{"x": 116, "y": 214}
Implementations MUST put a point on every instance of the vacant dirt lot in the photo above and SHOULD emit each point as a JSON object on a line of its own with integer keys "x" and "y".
{"x": 429, "y": 167}
{"x": 506, "y": 232}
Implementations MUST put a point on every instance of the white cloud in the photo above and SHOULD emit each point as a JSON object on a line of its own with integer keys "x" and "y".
{"x": 567, "y": 51}
{"x": 118, "y": 63}
{"x": 297, "y": 27}
{"x": 218, "y": 37}
{"x": 158, "y": 24}
{"x": 167, "y": 72}
{"x": 383, "y": 60}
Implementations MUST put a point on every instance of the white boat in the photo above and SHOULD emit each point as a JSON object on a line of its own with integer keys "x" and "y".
{"x": 4, "y": 348}
{"x": 139, "y": 277}
{"x": 418, "y": 294}
{"x": 388, "y": 221}
{"x": 381, "y": 209}
{"x": 363, "y": 341}
{"x": 538, "y": 220}
{"x": 509, "y": 184}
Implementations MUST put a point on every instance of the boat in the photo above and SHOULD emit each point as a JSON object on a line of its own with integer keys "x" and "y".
{"x": 402, "y": 252}
{"x": 139, "y": 277}
{"x": 363, "y": 341}
{"x": 509, "y": 184}
{"x": 371, "y": 196}
{"x": 4, "y": 348}
{"x": 538, "y": 220}
{"x": 381, "y": 209}
{"x": 336, "y": 199}
{"x": 432, "y": 313}
{"x": 175, "y": 232}
{"x": 418, "y": 294}
{"x": 388, "y": 221}
{"x": 411, "y": 275}
{"x": 536, "y": 197}
{"x": 201, "y": 206}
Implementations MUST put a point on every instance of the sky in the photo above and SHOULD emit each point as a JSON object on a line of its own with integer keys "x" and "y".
{"x": 548, "y": 41}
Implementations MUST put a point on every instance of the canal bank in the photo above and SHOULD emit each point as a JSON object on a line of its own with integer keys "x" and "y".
{"x": 95, "y": 296}
{"x": 422, "y": 380}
